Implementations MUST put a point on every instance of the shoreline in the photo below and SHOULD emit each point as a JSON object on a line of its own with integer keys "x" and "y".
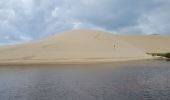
{"x": 70, "y": 61}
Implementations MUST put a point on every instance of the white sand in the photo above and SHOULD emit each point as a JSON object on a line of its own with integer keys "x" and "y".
{"x": 149, "y": 43}
{"x": 83, "y": 46}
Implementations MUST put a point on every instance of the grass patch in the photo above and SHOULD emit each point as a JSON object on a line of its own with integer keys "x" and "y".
{"x": 166, "y": 55}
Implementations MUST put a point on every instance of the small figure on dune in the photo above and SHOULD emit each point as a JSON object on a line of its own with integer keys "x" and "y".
{"x": 114, "y": 46}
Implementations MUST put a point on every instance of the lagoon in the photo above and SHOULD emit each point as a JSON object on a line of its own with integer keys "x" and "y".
{"x": 138, "y": 80}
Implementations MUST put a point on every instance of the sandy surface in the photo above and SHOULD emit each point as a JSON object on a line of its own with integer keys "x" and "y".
{"x": 84, "y": 46}
{"x": 149, "y": 43}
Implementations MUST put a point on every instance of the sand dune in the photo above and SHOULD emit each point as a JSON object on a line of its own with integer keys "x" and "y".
{"x": 78, "y": 46}
{"x": 149, "y": 43}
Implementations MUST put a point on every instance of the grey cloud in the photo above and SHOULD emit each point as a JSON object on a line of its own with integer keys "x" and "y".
{"x": 113, "y": 14}
{"x": 24, "y": 20}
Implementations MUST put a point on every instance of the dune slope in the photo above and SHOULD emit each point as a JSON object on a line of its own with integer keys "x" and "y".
{"x": 148, "y": 43}
{"x": 72, "y": 46}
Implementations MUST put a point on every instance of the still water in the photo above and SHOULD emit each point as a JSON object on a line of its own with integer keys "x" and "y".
{"x": 140, "y": 80}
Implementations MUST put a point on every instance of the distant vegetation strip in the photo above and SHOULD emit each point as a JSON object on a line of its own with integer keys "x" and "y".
{"x": 166, "y": 55}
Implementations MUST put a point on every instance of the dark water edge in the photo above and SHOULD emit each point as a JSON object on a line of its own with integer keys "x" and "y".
{"x": 139, "y": 80}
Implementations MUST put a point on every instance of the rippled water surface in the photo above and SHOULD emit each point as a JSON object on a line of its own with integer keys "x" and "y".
{"x": 141, "y": 80}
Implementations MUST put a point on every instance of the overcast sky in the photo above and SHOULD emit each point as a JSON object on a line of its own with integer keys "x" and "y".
{"x": 26, "y": 20}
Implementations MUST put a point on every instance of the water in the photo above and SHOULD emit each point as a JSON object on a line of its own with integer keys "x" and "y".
{"x": 141, "y": 80}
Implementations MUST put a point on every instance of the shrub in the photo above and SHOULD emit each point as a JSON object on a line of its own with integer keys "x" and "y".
{"x": 167, "y": 55}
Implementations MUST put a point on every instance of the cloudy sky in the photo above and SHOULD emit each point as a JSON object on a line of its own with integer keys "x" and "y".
{"x": 26, "y": 20}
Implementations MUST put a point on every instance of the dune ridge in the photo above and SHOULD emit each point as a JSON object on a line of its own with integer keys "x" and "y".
{"x": 77, "y": 46}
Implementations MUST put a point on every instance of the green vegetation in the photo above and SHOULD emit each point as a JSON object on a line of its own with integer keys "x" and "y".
{"x": 166, "y": 55}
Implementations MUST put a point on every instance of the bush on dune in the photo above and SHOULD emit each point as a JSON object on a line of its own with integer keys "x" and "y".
{"x": 166, "y": 55}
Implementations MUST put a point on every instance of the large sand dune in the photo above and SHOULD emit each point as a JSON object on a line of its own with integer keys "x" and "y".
{"x": 73, "y": 46}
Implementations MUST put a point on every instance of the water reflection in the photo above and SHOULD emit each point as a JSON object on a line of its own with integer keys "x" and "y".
{"x": 167, "y": 59}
